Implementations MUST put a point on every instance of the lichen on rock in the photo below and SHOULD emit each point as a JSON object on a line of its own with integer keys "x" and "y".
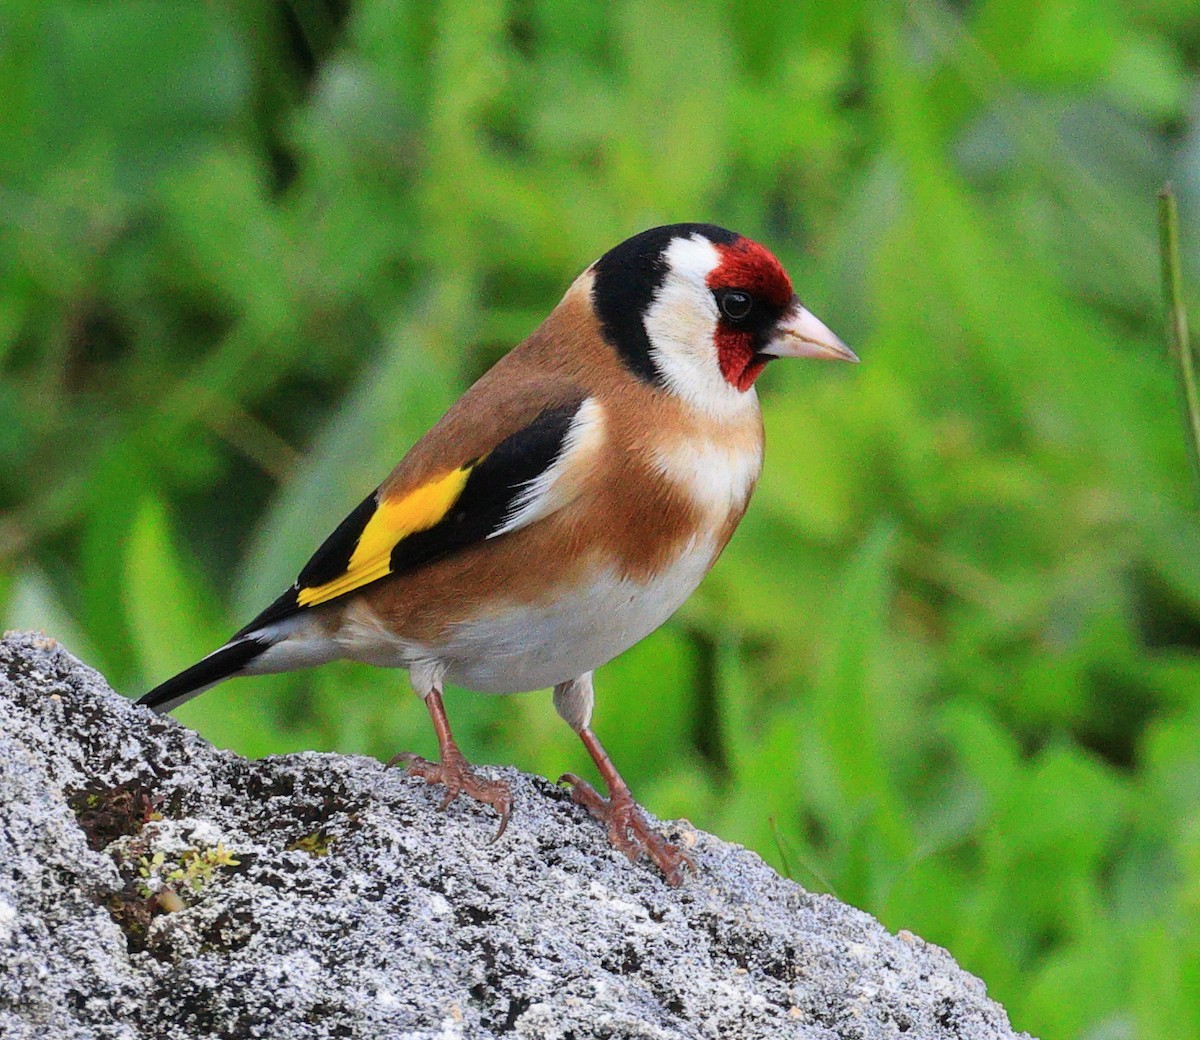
{"x": 320, "y": 896}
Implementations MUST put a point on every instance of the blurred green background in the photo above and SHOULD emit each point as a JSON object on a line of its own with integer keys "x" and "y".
{"x": 948, "y": 669}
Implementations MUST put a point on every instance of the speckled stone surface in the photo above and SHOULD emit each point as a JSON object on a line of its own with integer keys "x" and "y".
{"x": 153, "y": 887}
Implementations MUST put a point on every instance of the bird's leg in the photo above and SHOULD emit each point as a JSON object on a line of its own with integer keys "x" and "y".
{"x": 453, "y": 772}
{"x": 628, "y": 829}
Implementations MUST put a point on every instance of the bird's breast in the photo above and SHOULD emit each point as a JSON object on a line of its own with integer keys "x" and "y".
{"x": 661, "y": 532}
{"x": 716, "y": 474}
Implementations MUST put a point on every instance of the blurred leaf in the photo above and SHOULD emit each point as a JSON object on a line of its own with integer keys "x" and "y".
{"x": 168, "y": 613}
{"x": 392, "y": 405}
{"x": 842, "y": 700}
{"x": 31, "y": 603}
{"x": 157, "y": 76}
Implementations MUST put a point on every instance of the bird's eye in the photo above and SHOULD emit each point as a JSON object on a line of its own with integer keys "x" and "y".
{"x": 735, "y": 304}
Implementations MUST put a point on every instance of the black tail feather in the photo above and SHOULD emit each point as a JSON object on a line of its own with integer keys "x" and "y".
{"x": 218, "y": 665}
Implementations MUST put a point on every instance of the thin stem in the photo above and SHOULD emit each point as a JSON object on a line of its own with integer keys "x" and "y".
{"x": 1177, "y": 325}
{"x": 783, "y": 857}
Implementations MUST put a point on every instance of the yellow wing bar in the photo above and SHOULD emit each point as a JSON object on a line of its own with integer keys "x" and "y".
{"x": 392, "y": 522}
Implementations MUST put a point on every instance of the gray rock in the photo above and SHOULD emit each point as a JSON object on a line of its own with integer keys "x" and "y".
{"x": 154, "y": 887}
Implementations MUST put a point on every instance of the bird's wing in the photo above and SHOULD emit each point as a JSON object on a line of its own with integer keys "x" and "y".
{"x": 520, "y": 460}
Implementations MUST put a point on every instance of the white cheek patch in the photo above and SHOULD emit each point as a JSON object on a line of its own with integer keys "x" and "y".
{"x": 681, "y": 325}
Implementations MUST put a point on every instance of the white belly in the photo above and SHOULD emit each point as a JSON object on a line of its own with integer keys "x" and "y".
{"x": 532, "y": 646}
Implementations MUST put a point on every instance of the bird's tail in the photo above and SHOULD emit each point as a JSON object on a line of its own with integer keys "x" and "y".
{"x": 208, "y": 671}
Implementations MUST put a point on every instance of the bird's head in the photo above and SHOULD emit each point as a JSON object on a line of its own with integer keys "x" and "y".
{"x": 699, "y": 311}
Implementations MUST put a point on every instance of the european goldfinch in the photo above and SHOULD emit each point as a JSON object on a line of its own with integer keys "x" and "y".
{"x": 560, "y": 511}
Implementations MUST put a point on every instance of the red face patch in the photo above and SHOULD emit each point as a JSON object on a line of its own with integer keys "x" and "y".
{"x": 748, "y": 266}
{"x": 740, "y": 365}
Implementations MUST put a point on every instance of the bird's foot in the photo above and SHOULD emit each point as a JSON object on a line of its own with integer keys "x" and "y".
{"x": 628, "y": 830}
{"x": 455, "y": 774}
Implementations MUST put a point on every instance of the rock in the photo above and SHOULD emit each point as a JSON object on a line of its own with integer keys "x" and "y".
{"x": 154, "y": 887}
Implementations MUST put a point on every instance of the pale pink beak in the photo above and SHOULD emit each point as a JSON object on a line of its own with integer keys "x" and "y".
{"x": 800, "y": 333}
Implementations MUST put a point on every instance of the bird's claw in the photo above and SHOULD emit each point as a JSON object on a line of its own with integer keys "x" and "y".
{"x": 458, "y": 778}
{"x": 628, "y": 830}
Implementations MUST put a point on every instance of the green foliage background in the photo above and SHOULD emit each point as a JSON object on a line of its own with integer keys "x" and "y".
{"x": 947, "y": 669}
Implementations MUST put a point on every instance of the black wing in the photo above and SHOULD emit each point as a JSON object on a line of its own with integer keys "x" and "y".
{"x": 385, "y": 536}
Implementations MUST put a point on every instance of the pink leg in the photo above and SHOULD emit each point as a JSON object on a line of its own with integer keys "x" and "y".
{"x": 453, "y": 771}
{"x": 628, "y": 830}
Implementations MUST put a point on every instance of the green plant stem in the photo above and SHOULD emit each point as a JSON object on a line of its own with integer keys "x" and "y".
{"x": 1177, "y": 325}
{"x": 783, "y": 856}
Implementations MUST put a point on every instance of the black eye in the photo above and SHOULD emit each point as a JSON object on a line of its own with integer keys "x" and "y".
{"x": 735, "y": 304}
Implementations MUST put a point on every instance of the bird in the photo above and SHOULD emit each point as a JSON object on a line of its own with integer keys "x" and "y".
{"x": 559, "y": 512}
